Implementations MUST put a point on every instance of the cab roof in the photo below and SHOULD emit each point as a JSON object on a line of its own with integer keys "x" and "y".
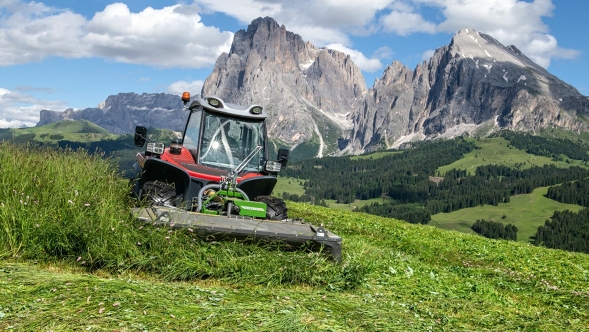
{"x": 217, "y": 105}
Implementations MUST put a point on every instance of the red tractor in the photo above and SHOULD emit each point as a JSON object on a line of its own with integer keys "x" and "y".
{"x": 218, "y": 178}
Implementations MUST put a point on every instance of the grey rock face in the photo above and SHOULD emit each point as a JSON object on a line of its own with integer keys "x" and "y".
{"x": 122, "y": 112}
{"x": 472, "y": 81}
{"x": 306, "y": 91}
{"x": 320, "y": 96}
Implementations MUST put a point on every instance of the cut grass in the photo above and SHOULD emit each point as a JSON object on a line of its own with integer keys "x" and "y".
{"x": 526, "y": 212}
{"x": 393, "y": 276}
{"x": 416, "y": 278}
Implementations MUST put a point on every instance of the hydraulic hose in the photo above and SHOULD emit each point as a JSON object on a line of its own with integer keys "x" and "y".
{"x": 214, "y": 186}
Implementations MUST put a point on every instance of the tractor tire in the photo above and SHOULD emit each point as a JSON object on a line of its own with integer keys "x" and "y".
{"x": 158, "y": 193}
{"x": 275, "y": 207}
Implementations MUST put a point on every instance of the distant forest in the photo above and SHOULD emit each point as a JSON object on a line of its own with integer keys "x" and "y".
{"x": 495, "y": 230}
{"x": 407, "y": 178}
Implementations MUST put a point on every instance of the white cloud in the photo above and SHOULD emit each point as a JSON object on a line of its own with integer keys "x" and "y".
{"x": 324, "y": 22}
{"x": 18, "y": 110}
{"x": 369, "y": 65}
{"x": 425, "y": 56}
{"x": 165, "y": 37}
{"x": 331, "y": 14}
{"x": 384, "y": 52}
{"x": 320, "y": 36}
{"x": 319, "y": 21}
{"x": 177, "y": 88}
{"x": 405, "y": 23}
{"x": 169, "y": 37}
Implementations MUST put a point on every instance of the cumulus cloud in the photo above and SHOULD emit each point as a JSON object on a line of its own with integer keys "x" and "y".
{"x": 319, "y": 21}
{"x": 330, "y": 14}
{"x": 383, "y": 53}
{"x": 172, "y": 36}
{"x": 364, "y": 63}
{"x": 324, "y": 22}
{"x": 425, "y": 56}
{"x": 177, "y": 88}
{"x": 20, "y": 110}
{"x": 405, "y": 23}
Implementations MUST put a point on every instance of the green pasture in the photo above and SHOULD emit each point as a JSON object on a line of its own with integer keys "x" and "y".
{"x": 497, "y": 151}
{"x": 526, "y": 212}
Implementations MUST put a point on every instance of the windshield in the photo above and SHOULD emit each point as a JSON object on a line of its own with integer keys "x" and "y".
{"x": 226, "y": 141}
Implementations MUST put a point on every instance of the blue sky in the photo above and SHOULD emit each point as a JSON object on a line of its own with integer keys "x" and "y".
{"x": 59, "y": 54}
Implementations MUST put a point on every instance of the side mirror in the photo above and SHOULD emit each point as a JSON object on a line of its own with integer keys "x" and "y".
{"x": 140, "y": 136}
{"x": 283, "y": 157}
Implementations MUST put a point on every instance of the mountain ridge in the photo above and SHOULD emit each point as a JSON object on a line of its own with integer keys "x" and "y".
{"x": 318, "y": 96}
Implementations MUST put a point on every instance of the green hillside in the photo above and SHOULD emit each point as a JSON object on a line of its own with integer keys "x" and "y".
{"x": 526, "y": 212}
{"x": 86, "y": 135}
{"x": 73, "y": 258}
{"x": 80, "y": 131}
{"x": 498, "y": 151}
{"x": 435, "y": 180}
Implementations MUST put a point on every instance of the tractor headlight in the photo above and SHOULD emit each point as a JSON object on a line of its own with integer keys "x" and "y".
{"x": 155, "y": 148}
{"x": 273, "y": 166}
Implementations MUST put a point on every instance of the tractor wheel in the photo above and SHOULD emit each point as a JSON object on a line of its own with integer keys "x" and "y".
{"x": 159, "y": 193}
{"x": 275, "y": 207}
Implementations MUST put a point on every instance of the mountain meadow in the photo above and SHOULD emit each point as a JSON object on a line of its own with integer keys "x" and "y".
{"x": 73, "y": 257}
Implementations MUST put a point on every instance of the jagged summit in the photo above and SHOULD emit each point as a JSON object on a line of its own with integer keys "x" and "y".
{"x": 473, "y": 82}
{"x": 317, "y": 98}
{"x": 307, "y": 91}
{"x": 471, "y": 44}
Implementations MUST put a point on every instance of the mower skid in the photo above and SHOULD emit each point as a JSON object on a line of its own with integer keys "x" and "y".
{"x": 292, "y": 232}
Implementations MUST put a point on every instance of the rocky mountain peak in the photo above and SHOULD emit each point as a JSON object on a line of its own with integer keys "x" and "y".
{"x": 307, "y": 91}
{"x": 316, "y": 98}
{"x": 474, "y": 82}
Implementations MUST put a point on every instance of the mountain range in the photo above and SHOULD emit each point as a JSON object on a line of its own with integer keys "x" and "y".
{"x": 317, "y": 97}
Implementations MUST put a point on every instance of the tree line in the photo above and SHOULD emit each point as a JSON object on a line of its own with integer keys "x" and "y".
{"x": 495, "y": 230}
{"x": 406, "y": 180}
{"x": 574, "y": 192}
{"x": 547, "y": 146}
{"x": 566, "y": 230}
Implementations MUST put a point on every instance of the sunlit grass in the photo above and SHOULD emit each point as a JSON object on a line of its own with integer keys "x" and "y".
{"x": 526, "y": 212}
{"x": 289, "y": 185}
{"x": 394, "y": 276}
{"x": 68, "y": 206}
{"x": 497, "y": 151}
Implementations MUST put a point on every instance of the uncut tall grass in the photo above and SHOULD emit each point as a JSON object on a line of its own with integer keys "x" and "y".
{"x": 66, "y": 205}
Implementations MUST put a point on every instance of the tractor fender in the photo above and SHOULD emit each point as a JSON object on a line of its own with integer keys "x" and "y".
{"x": 135, "y": 179}
{"x": 158, "y": 170}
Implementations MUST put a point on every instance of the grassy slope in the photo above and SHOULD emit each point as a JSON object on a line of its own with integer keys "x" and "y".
{"x": 496, "y": 151}
{"x": 71, "y": 259}
{"x": 289, "y": 185}
{"x": 526, "y": 212}
{"x": 79, "y": 131}
{"x": 415, "y": 278}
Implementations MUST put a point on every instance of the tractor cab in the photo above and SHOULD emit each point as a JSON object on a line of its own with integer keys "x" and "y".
{"x": 222, "y": 135}
{"x": 221, "y": 141}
